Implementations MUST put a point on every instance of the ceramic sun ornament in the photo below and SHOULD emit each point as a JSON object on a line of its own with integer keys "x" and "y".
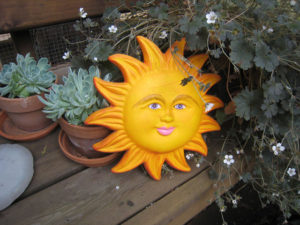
{"x": 153, "y": 116}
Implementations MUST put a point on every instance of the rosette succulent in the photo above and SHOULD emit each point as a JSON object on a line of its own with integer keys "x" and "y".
{"x": 26, "y": 78}
{"x": 76, "y": 98}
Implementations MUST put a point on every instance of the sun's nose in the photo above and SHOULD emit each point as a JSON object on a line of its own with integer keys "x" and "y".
{"x": 167, "y": 117}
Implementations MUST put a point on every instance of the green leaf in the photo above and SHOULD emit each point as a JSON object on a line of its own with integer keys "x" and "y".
{"x": 190, "y": 27}
{"x": 241, "y": 53}
{"x": 265, "y": 58}
{"x": 273, "y": 91}
{"x": 270, "y": 109}
{"x": 247, "y": 103}
{"x": 89, "y": 23}
{"x": 160, "y": 12}
{"x": 98, "y": 50}
{"x": 199, "y": 41}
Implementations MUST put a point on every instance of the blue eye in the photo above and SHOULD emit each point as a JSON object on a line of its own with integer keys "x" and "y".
{"x": 154, "y": 106}
{"x": 179, "y": 106}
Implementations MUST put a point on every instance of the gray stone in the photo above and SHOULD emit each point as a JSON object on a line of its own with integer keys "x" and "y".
{"x": 16, "y": 171}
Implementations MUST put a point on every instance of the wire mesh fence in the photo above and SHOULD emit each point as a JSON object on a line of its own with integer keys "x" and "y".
{"x": 8, "y": 51}
{"x": 48, "y": 41}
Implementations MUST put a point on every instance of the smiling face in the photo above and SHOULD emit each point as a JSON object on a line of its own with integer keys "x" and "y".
{"x": 159, "y": 114}
{"x": 153, "y": 117}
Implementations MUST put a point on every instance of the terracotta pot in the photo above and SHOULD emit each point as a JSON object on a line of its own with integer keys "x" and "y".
{"x": 25, "y": 113}
{"x": 83, "y": 137}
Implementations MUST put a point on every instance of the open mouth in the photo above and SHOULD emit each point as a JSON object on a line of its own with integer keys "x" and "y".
{"x": 165, "y": 131}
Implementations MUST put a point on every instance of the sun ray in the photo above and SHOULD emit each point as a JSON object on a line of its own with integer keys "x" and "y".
{"x": 208, "y": 124}
{"x": 217, "y": 103}
{"x": 144, "y": 132}
{"x": 114, "y": 92}
{"x": 176, "y": 159}
{"x": 131, "y": 68}
{"x": 197, "y": 144}
{"x": 209, "y": 80}
{"x": 130, "y": 160}
{"x": 110, "y": 117}
{"x": 177, "y": 48}
{"x": 197, "y": 62}
{"x": 153, "y": 57}
{"x": 115, "y": 142}
{"x": 153, "y": 165}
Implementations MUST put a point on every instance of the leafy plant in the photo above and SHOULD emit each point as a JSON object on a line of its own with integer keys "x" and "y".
{"x": 26, "y": 78}
{"x": 254, "y": 46}
{"x": 76, "y": 98}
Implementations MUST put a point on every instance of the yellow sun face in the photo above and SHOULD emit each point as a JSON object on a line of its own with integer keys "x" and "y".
{"x": 159, "y": 114}
{"x": 154, "y": 117}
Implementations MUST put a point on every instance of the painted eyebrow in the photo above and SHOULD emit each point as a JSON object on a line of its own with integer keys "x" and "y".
{"x": 182, "y": 97}
{"x": 148, "y": 98}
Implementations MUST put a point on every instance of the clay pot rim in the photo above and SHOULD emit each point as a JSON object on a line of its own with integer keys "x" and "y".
{"x": 88, "y": 132}
{"x": 18, "y": 102}
{"x": 28, "y": 136}
{"x": 63, "y": 121}
{"x": 94, "y": 162}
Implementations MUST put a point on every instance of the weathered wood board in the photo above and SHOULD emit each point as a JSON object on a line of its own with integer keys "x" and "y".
{"x": 185, "y": 202}
{"x": 21, "y": 14}
{"x": 90, "y": 196}
{"x": 50, "y": 165}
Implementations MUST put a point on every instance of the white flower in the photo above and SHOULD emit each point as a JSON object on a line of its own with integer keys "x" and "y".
{"x": 95, "y": 59}
{"x": 117, "y": 187}
{"x": 223, "y": 208}
{"x": 163, "y": 34}
{"x": 270, "y": 30}
{"x": 198, "y": 165}
{"x": 113, "y": 29}
{"x": 208, "y": 106}
{"x": 241, "y": 151}
{"x": 293, "y": 2}
{"x": 66, "y": 55}
{"x": 234, "y": 201}
{"x": 228, "y": 160}
{"x": 291, "y": 172}
{"x": 188, "y": 157}
{"x": 278, "y": 148}
{"x": 82, "y": 13}
{"x": 211, "y": 17}
{"x": 264, "y": 27}
{"x": 275, "y": 194}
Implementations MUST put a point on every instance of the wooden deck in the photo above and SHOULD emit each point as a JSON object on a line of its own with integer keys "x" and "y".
{"x": 63, "y": 192}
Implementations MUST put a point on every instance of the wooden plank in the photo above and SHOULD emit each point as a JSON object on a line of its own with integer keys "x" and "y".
{"x": 184, "y": 203}
{"x": 23, "y": 14}
{"x": 90, "y": 197}
{"x": 50, "y": 165}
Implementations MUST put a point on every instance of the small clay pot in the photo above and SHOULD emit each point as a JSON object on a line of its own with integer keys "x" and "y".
{"x": 83, "y": 137}
{"x": 25, "y": 113}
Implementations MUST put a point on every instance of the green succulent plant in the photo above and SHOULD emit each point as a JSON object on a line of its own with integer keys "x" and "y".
{"x": 26, "y": 78}
{"x": 76, "y": 98}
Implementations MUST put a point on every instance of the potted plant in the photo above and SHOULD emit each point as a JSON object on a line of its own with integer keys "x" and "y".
{"x": 70, "y": 104}
{"x": 21, "y": 84}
